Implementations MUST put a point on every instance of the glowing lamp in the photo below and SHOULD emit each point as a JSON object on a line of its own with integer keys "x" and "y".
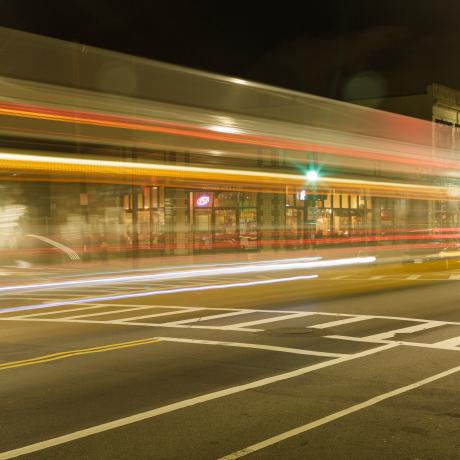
{"x": 312, "y": 175}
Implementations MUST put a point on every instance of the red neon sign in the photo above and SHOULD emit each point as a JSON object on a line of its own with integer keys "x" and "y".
{"x": 203, "y": 200}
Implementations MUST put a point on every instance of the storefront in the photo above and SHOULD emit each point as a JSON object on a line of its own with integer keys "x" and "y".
{"x": 235, "y": 219}
{"x": 224, "y": 220}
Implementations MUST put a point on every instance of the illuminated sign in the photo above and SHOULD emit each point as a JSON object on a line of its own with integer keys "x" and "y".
{"x": 301, "y": 196}
{"x": 203, "y": 200}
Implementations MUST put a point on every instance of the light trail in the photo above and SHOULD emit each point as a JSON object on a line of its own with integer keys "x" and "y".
{"x": 158, "y": 292}
{"x": 55, "y": 164}
{"x": 221, "y": 132}
{"x": 256, "y": 268}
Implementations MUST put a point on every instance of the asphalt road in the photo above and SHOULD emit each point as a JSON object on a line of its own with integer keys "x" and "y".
{"x": 253, "y": 371}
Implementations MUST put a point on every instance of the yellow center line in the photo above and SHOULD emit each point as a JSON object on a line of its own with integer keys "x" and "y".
{"x": 71, "y": 353}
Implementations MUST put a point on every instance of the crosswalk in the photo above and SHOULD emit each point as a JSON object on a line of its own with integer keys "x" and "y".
{"x": 368, "y": 329}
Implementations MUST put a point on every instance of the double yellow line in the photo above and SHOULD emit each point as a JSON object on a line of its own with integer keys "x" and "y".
{"x": 72, "y": 353}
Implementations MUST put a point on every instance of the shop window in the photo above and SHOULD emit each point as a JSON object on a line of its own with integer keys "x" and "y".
{"x": 336, "y": 200}
{"x": 146, "y": 199}
{"x": 248, "y": 200}
{"x": 154, "y": 197}
{"x": 248, "y": 222}
{"x": 225, "y": 199}
{"x": 323, "y": 222}
{"x": 290, "y": 199}
{"x": 354, "y": 201}
{"x": 225, "y": 224}
{"x": 203, "y": 221}
{"x": 320, "y": 203}
{"x": 126, "y": 202}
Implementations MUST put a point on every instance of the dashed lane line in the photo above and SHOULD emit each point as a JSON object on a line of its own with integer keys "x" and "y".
{"x": 332, "y": 417}
{"x": 72, "y": 353}
{"x": 90, "y": 431}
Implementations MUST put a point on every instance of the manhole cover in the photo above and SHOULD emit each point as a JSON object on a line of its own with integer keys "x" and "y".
{"x": 289, "y": 330}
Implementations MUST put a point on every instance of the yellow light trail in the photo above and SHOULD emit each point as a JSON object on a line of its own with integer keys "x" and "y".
{"x": 89, "y": 166}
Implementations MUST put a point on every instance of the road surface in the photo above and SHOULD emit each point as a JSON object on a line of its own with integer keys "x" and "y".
{"x": 261, "y": 371}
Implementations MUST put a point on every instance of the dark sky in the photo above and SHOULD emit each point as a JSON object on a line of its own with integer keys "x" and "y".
{"x": 336, "y": 48}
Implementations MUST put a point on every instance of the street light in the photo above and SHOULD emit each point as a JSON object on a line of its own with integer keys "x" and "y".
{"x": 312, "y": 175}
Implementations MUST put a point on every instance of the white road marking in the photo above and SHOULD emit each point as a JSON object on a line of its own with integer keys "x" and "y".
{"x": 454, "y": 277}
{"x": 340, "y": 322}
{"x": 453, "y": 342}
{"x": 413, "y": 277}
{"x": 208, "y": 318}
{"x": 101, "y": 313}
{"x": 379, "y": 277}
{"x": 138, "y": 305}
{"x": 155, "y": 315}
{"x": 355, "y": 339}
{"x": 121, "y": 322}
{"x": 341, "y": 277}
{"x": 406, "y": 330}
{"x": 55, "y": 312}
{"x": 437, "y": 346}
{"x": 268, "y": 320}
{"x": 332, "y": 417}
{"x": 224, "y": 309}
{"x": 296, "y": 351}
{"x": 422, "y": 324}
{"x": 38, "y": 446}
{"x": 95, "y": 306}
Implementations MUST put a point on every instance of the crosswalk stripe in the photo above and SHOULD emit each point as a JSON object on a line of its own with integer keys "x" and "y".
{"x": 453, "y": 342}
{"x": 268, "y": 320}
{"x": 340, "y": 322}
{"x": 208, "y": 318}
{"x": 167, "y": 313}
{"x": 405, "y": 330}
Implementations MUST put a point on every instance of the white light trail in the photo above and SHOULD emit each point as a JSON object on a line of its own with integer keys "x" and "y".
{"x": 255, "y": 268}
{"x": 158, "y": 292}
{"x": 69, "y": 251}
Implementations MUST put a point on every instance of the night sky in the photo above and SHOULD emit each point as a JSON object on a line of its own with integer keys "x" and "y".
{"x": 343, "y": 49}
